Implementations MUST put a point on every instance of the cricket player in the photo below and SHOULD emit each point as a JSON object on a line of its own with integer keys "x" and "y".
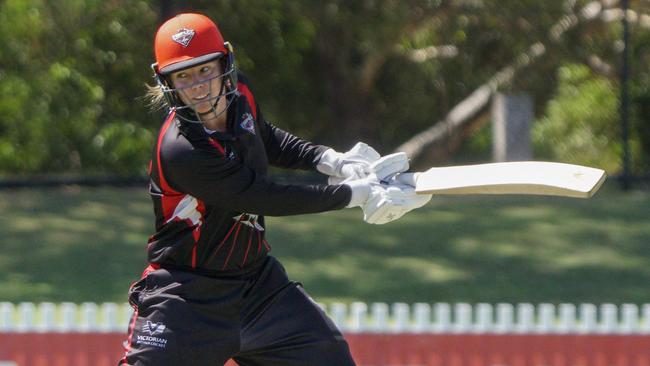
{"x": 211, "y": 291}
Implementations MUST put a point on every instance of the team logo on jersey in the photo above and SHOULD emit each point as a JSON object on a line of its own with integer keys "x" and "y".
{"x": 249, "y": 220}
{"x": 183, "y": 36}
{"x": 248, "y": 123}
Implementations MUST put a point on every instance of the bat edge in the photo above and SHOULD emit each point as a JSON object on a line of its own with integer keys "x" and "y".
{"x": 517, "y": 189}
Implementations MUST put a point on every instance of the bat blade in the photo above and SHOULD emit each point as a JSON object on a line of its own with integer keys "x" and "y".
{"x": 527, "y": 177}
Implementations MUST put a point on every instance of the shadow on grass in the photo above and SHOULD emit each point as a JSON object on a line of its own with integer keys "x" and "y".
{"x": 485, "y": 249}
{"x": 89, "y": 245}
{"x": 60, "y": 245}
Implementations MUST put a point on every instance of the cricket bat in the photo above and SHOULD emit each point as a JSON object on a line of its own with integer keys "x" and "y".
{"x": 526, "y": 177}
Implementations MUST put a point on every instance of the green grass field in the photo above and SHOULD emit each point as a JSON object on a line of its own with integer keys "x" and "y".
{"x": 89, "y": 245}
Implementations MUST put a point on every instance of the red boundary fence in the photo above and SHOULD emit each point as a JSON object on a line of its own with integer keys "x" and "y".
{"x": 104, "y": 349}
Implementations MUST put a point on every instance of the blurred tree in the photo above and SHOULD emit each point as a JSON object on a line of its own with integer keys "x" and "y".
{"x": 580, "y": 121}
{"x": 375, "y": 69}
{"x": 71, "y": 72}
{"x": 641, "y": 99}
{"x": 333, "y": 71}
{"x": 301, "y": 84}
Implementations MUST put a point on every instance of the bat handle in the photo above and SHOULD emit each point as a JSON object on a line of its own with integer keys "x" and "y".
{"x": 409, "y": 179}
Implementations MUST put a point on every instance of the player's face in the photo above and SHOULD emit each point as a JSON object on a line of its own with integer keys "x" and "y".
{"x": 199, "y": 86}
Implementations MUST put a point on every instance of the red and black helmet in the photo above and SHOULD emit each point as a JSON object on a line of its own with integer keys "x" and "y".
{"x": 187, "y": 40}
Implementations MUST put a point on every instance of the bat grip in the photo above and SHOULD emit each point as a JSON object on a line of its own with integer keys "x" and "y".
{"x": 409, "y": 179}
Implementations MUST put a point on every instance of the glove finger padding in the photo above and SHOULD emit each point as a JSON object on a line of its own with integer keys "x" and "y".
{"x": 354, "y": 171}
{"x": 352, "y": 164}
{"x": 387, "y": 168}
{"x": 361, "y": 153}
{"x": 390, "y": 202}
{"x": 349, "y": 172}
{"x": 355, "y": 163}
{"x": 389, "y": 165}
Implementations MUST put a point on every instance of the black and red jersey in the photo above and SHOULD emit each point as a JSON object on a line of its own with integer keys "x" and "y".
{"x": 211, "y": 191}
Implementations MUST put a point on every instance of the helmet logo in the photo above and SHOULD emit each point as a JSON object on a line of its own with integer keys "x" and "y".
{"x": 183, "y": 36}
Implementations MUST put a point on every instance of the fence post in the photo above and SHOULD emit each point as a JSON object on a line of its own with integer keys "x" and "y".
{"x": 109, "y": 317}
{"x": 379, "y": 317}
{"x": 525, "y": 318}
{"x": 463, "y": 318}
{"x": 645, "y": 325}
{"x": 567, "y": 318}
{"x": 48, "y": 316}
{"x": 27, "y": 311}
{"x": 401, "y": 317}
{"x": 505, "y": 318}
{"x": 359, "y": 312}
{"x": 630, "y": 319}
{"x": 512, "y": 116}
{"x": 6, "y": 317}
{"x": 88, "y": 317}
{"x": 422, "y": 317}
{"x": 546, "y": 322}
{"x": 127, "y": 313}
{"x": 68, "y": 317}
{"x": 442, "y": 322}
{"x": 483, "y": 318}
{"x": 339, "y": 315}
{"x": 609, "y": 318}
{"x": 588, "y": 323}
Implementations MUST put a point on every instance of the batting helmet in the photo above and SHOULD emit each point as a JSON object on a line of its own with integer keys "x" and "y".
{"x": 187, "y": 40}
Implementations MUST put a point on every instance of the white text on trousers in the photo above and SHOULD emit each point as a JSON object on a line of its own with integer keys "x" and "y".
{"x": 152, "y": 341}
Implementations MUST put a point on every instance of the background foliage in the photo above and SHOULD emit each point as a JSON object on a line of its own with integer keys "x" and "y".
{"x": 335, "y": 71}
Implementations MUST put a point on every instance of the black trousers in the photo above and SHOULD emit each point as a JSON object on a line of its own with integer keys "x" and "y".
{"x": 256, "y": 318}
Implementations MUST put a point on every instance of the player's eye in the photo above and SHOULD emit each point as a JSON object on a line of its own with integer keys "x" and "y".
{"x": 181, "y": 75}
{"x": 206, "y": 69}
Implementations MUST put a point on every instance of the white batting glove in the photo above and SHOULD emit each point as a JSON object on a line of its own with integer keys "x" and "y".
{"x": 382, "y": 203}
{"x": 391, "y": 202}
{"x": 361, "y": 189}
{"x": 361, "y": 161}
{"x": 349, "y": 165}
{"x": 389, "y": 165}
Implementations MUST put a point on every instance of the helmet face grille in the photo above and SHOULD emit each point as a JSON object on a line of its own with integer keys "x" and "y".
{"x": 174, "y": 101}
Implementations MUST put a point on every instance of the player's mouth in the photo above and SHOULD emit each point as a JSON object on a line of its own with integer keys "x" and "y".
{"x": 201, "y": 97}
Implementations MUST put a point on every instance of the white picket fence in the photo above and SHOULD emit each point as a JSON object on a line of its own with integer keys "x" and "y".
{"x": 374, "y": 318}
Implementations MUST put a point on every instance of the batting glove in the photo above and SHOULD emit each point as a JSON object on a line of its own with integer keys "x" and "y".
{"x": 391, "y": 202}
{"x": 359, "y": 162}
{"x": 382, "y": 203}
{"x": 351, "y": 164}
